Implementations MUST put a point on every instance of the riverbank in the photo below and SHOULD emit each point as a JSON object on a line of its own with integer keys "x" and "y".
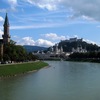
{"x": 15, "y": 69}
{"x": 84, "y": 60}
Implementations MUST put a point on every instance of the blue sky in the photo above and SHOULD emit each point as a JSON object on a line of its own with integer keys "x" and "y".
{"x": 46, "y": 22}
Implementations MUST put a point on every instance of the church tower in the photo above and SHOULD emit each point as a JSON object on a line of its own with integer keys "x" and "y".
{"x": 6, "y": 36}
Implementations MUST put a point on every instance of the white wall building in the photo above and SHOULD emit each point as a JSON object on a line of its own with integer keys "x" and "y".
{"x": 79, "y": 49}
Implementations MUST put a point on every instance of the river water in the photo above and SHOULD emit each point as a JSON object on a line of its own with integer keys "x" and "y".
{"x": 62, "y": 80}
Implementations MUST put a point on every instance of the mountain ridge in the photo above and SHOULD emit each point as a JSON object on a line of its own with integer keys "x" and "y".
{"x": 30, "y": 48}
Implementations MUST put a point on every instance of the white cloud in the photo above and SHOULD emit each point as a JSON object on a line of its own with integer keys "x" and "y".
{"x": 41, "y": 25}
{"x": 45, "y": 43}
{"x": 54, "y": 36}
{"x": 88, "y": 18}
{"x": 39, "y": 42}
{"x": 76, "y": 36}
{"x": 89, "y": 41}
{"x": 98, "y": 26}
{"x": 13, "y": 4}
{"x": 30, "y": 41}
{"x": 3, "y": 10}
{"x": 15, "y": 36}
{"x": 1, "y": 19}
{"x": 44, "y": 4}
{"x": 88, "y": 9}
{"x": 48, "y": 6}
{"x": 1, "y": 33}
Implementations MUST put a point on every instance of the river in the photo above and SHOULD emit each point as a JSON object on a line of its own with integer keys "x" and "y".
{"x": 62, "y": 80}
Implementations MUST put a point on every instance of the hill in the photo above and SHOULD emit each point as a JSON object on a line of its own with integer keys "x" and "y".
{"x": 74, "y": 43}
{"x": 34, "y": 48}
{"x": 67, "y": 46}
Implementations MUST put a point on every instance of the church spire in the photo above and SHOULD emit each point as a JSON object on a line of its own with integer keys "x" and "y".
{"x": 6, "y": 23}
{"x": 6, "y": 35}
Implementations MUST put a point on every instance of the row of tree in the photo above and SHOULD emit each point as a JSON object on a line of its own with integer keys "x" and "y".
{"x": 13, "y": 52}
{"x": 88, "y": 55}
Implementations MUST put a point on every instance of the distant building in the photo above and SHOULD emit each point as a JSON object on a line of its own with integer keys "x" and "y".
{"x": 74, "y": 40}
{"x": 79, "y": 49}
{"x": 61, "y": 50}
{"x": 56, "y": 50}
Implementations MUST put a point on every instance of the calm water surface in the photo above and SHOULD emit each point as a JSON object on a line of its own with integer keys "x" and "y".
{"x": 61, "y": 81}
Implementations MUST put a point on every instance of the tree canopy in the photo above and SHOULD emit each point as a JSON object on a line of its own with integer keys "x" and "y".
{"x": 17, "y": 53}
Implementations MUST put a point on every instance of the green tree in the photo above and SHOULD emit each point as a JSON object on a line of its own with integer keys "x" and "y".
{"x": 16, "y": 53}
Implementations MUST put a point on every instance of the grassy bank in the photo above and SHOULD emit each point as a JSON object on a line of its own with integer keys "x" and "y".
{"x": 14, "y": 69}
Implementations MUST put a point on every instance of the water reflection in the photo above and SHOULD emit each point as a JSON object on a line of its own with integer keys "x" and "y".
{"x": 62, "y": 81}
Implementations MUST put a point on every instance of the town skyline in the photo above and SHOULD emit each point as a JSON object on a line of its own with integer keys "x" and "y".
{"x": 45, "y": 23}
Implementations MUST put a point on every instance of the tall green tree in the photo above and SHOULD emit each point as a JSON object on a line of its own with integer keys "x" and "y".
{"x": 16, "y": 53}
